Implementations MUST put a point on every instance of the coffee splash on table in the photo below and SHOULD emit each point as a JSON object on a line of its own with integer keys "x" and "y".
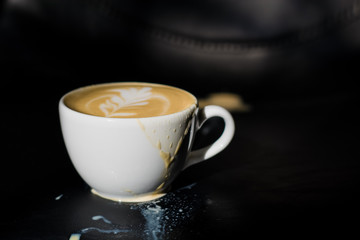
{"x": 164, "y": 218}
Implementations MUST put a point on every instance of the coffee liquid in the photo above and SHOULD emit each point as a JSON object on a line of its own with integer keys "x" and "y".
{"x": 129, "y": 100}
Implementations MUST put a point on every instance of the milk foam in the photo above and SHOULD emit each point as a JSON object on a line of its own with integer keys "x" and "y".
{"x": 119, "y": 100}
{"x": 129, "y": 100}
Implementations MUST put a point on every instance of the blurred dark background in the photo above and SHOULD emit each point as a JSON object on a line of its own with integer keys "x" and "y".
{"x": 294, "y": 158}
{"x": 260, "y": 49}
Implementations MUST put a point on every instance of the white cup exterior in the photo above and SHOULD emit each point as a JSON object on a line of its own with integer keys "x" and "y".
{"x": 129, "y": 159}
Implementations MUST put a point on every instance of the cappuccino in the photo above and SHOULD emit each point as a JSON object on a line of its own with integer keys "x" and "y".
{"x": 129, "y": 100}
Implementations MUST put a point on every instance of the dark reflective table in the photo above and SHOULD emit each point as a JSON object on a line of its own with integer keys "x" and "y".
{"x": 292, "y": 169}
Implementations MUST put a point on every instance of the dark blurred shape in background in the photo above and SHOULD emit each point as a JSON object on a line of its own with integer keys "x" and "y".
{"x": 260, "y": 49}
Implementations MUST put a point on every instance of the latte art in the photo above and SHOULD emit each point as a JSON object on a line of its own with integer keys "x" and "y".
{"x": 121, "y": 102}
{"x": 129, "y": 100}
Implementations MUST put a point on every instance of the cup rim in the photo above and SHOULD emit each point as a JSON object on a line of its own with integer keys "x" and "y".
{"x": 62, "y": 103}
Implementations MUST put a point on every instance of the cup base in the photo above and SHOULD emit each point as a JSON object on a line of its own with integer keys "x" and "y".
{"x": 131, "y": 199}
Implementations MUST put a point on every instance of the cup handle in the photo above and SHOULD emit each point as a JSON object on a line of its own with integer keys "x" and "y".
{"x": 221, "y": 143}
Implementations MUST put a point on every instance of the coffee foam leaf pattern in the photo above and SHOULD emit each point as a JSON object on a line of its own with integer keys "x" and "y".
{"x": 119, "y": 102}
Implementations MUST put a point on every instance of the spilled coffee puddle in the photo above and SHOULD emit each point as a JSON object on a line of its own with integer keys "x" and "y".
{"x": 76, "y": 236}
{"x": 162, "y": 218}
{"x": 164, "y": 215}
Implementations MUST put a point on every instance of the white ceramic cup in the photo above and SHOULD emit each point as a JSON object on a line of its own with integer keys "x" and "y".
{"x": 136, "y": 159}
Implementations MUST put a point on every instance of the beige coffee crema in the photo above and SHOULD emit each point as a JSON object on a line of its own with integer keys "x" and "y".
{"x": 129, "y": 100}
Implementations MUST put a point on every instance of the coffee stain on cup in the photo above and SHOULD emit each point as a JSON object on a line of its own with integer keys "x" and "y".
{"x": 167, "y": 153}
{"x": 135, "y": 198}
{"x": 167, "y": 139}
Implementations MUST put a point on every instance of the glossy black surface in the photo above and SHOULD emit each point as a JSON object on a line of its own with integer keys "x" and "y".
{"x": 291, "y": 170}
